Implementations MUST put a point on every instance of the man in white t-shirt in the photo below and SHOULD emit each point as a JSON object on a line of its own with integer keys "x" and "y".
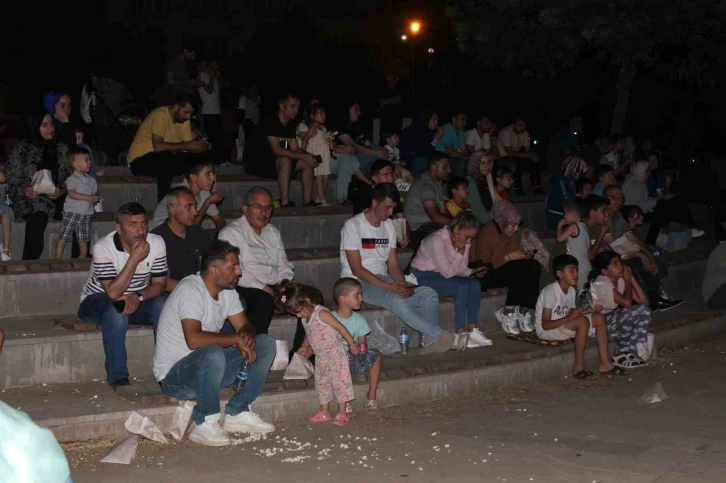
{"x": 193, "y": 360}
{"x": 126, "y": 285}
{"x": 368, "y": 253}
{"x": 478, "y": 139}
{"x": 200, "y": 179}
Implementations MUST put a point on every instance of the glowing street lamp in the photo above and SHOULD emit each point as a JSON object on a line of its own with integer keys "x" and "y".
{"x": 415, "y": 27}
{"x": 403, "y": 37}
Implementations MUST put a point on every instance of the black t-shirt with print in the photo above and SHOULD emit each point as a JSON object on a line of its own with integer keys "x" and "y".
{"x": 259, "y": 159}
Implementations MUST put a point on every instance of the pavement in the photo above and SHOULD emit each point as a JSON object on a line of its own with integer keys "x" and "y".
{"x": 560, "y": 431}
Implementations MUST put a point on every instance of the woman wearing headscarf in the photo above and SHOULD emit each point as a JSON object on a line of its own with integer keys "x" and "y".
{"x": 562, "y": 189}
{"x": 420, "y": 138}
{"x": 58, "y": 104}
{"x": 498, "y": 247}
{"x": 658, "y": 211}
{"x": 39, "y": 150}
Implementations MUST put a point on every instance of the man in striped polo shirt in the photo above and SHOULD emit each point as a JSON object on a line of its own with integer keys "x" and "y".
{"x": 126, "y": 285}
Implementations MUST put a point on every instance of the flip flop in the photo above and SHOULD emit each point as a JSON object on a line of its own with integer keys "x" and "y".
{"x": 585, "y": 375}
{"x": 615, "y": 371}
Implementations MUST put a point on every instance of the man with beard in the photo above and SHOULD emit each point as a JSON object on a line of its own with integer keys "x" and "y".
{"x": 126, "y": 285}
{"x": 193, "y": 360}
{"x": 164, "y": 143}
{"x": 262, "y": 256}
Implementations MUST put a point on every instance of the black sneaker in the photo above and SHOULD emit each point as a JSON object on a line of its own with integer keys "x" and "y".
{"x": 120, "y": 382}
{"x": 662, "y": 305}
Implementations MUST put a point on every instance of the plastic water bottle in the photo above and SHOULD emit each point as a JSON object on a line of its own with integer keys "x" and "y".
{"x": 403, "y": 340}
{"x": 421, "y": 340}
{"x": 241, "y": 380}
{"x": 8, "y": 201}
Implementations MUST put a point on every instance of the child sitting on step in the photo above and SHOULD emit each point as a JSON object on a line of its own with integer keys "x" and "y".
{"x": 457, "y": 187}
{"x": 325, "y": 336}
{"x": 78, "y": 207}
{"x": 348, "y": 294}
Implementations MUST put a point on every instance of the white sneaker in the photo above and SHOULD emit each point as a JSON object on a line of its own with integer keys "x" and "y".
{"x": 478, "y": 339}
{"x": 4, "y": 254}
{"x": 209, "y": 433}
{"x": 695, "y": 233}
{"x": 461, "y": 342}
{"x": 246, "y": 422}
{"x": 524, "y": 317}
{"x": 509, "y": 321}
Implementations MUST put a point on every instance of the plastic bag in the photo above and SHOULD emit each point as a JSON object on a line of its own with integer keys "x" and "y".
{"x": 401, "y": 235}
{"x": 299, "y": 368}
{"x": 180, "y": 419}
{"x": 143, "y": 426}
{"x": 123, "y": 452}
{"x": 282, "y": 356}
{"x": 647, "y": 350}
{"x": 42, "y": 182}
{"x": 674, "y": 238}
{"x": 379, "y": 339}
{"x": 654, "y": 394}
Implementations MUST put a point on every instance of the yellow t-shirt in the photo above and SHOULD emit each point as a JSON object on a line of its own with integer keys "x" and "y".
{"x": 158, "y": 122}
{"x": 455, "y": 209}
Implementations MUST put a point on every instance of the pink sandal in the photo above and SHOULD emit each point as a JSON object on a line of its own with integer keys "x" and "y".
{"x": 320, "y": 417}
{"x": 340, "y": 420}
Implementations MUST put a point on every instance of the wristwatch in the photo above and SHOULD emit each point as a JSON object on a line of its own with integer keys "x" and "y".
{"x": 141, "y": 297}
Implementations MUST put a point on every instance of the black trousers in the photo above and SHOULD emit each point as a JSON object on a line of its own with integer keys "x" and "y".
{"x": 35, "y": 224}
{"x": 163, "y": 166}
{"x": 520, "y": 277}
{"x": 215, "y": 133}
{"x": 650, "y": 283}
{"x": 672, "y": 211}
{"x": 259, "y": 307}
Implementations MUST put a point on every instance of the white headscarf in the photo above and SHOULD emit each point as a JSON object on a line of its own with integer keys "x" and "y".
{"x": 637, "y": 173}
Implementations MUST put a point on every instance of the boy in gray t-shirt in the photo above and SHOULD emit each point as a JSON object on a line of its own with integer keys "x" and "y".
{"x": 78, "y": 207}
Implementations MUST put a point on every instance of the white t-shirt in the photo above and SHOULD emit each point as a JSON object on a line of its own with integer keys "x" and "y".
{"x": 251, "y": 108}
{"x": 552, "y": 297}
{"x": 189, "y": 300}
{"x": 480, "y": 143}
{"x": 373, "y": 243}
{"x": 109, "y": 258}
{"x": 210, "y": 100}
{"x": 162, "y": 209}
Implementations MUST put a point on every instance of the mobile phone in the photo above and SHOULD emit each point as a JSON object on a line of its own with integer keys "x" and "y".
{"x": 318, "y": 159}
{"x": 119, "y": 305}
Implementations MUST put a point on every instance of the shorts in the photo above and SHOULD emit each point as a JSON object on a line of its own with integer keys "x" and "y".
{"x": 560, "y": 333}
{"x": 362, "y": 363}
{"x": 75, "y": 222}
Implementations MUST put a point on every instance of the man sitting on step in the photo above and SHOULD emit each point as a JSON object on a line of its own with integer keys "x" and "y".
{"x": 368, "y": 253}
{"x": 126, "y": 285}
{"x": 262, "y": 256}
{"x": 193, "y": 360}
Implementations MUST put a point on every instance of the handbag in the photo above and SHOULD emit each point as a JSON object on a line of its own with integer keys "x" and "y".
{"x": 42, "y": 182}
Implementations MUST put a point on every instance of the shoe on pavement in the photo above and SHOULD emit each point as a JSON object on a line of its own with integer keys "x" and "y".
{"x": 509, "y": 321}
{"x": 461, "y": 341}
{"x": 442, "y": 343}
{"x": 695, "y": 233}
{"x": 478, "y": 339}
{"x": 246, "y": 422}
{"x": 524, "y": 318}
{"x": 209, "y": 433}
{"x": 664, "y": 304}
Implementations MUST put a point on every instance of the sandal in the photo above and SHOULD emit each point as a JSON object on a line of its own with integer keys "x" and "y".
{"x": 349, "y": 410}
{"x": 320, "y": 417}
{"x": 615, "y": 371}
{"x": 585, "y": 375}
{"x": 340, "y": 420}
{"x": 627, "y": 361}
{"x": 371, "y": 406}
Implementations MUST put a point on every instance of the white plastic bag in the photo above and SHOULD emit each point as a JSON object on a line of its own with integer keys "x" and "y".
{"x": 282, "y": 357}
{"x": 43, "y": 182}
{"x": 180, "y": 419}
{"x": 401, "y": 235}
{"x": 654, "y": 394}
{"x": 123, "y": 452}
{"x": 98, "y": 207}
{"x": 647, "y": 350}
{"x": 299, "y": 368}
{"x": 379, "y": 339}
{"x": 143, "y": 426}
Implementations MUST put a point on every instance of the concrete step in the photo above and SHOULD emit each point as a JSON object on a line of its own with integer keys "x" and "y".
{"x": 117, "y": 190}
{"x": 38, "y": 350}
{"x": 48, "y": 287}
{"x": 83, "y": 411}
{"x": 125, "y": 171}
{"x": 299, "y": 227}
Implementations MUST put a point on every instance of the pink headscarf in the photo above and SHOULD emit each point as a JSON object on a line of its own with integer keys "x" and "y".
{"x": 505, "y": 213}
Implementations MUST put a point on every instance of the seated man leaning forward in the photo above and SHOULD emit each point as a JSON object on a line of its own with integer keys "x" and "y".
{"x": 193, "y": 360}
{"x": 368, "y": 253}
{"x": 262, "y": 255}
{"x": 126, "y": 286}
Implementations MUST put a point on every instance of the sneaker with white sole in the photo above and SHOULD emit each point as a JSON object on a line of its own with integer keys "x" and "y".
{"x": 442, "y": 343}
{"x": 509, "y": 321}
{"x": 209, "y": 433}
{"x": 525, "y": 319}
{"x": 478, "y": 339}
{"x": 246, "y": 422}
{"x": 696, "y": 233}
{"x": 461, "y": 341}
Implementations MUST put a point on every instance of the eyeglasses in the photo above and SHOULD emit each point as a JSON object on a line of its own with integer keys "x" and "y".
{"x": 260, "y": 207}
{"x": 619, "y": 198}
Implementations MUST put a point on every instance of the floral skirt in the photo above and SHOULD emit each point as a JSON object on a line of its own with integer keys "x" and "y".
{"x": 4, "y": 208}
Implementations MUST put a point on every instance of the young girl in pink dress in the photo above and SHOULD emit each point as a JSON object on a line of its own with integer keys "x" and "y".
{"x": 324, "y": 335}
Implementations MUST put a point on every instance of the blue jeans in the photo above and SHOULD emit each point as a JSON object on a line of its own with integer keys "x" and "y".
{"x": 465, "y": 290}
{"x": 425, "y": 298}
{"x": 98, "y": 308}
{"x": 344, "y": 166}
{"x": 202, "y": 374}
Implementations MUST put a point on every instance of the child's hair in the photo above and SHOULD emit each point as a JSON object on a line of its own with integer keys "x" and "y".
{"x": 594, "y": 203}
{"x": 464, "y": 220}
{"x": 196, "y": 165}
{"x": 582, "y": 182}
{"x": 344, "y": 286}
{"x": 629, "y": 211}
{"x": 561, "y": 262}
{"x": 73, "y": 152}
{"x": 602, "y": 170}
{"x": 455, "y": 182}
{"x": 379, "y": 165}
{"x": 291, "y": 297}
{"x": 314, "y": 108}
{"x": 501, "y": 172}
{"x": 573, "y": 205}
{"x": 387, "y": 134}
{"x": 603, "y": 260}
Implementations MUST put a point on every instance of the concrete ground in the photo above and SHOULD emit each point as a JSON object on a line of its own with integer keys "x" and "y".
{"x": 563, "y": 431}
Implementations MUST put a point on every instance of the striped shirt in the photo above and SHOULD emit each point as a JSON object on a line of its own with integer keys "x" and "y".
{"x": 109, "y": 258}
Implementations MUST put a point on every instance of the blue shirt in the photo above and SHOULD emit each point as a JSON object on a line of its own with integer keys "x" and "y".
{"x": 451, "y": 136}
{"x": 356, "y": 325}
{"x": 598, "y": 189}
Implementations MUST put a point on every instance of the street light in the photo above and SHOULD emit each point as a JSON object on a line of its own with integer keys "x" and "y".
{"x": 403, "y": 37}
{"x": 415, "y": 27}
